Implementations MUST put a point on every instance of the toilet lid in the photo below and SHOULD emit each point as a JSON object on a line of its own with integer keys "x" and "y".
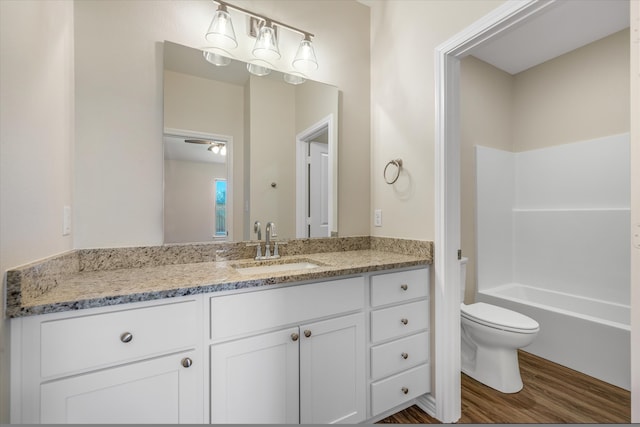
{"x": 498, "y": 317}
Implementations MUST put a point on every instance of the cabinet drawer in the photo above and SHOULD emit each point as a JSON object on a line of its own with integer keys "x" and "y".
{"x": 240, "y": 314}
{"x": 393, "y": 391}
{"x": 400, "y": 320}
{"x": 400, "y": 286}
{"x": 78, "y": 343}
{"x": 398, "y": 355}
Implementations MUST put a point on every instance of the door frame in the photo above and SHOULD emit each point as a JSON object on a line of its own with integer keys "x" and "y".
{"x": 509, "y": 15}
{"x": 302, "y": 139}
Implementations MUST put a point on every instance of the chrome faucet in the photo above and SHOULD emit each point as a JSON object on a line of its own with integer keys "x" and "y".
{"x": 270, "y": 231}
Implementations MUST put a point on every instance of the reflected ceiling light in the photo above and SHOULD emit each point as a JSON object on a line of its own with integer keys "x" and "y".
{"x": 222, "y": 36}
{"x": 258, "y": 67}
{"x": 216, "y": 58}
{"x": 218, "y": 147}
{"x": 221, "y": 33}
{"x": 294, "y": 78}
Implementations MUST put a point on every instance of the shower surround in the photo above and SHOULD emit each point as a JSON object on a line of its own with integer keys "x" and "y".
{"x": 553, "y": 243}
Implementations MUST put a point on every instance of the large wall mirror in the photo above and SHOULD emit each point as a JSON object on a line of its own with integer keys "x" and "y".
{"x": 241, "y": 148}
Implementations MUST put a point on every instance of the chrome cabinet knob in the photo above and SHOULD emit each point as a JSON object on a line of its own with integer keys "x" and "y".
{"x": 404, "y": 287}
{"x": 405, "y": 356}
{"x": 294, "y": 337}
{"x": 307, "y": 333}
{"x": 126, "y": 337}
{"x": 404, "y": 321}
{"x": 186, "y": 362}
{"x": 405, "y": 390}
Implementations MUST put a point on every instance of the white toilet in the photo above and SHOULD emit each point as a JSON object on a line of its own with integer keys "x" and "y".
{"x": 491, "y": 336}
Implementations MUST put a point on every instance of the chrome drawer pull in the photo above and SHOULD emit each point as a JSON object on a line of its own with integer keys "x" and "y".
{"x": 404, "y": 321}
{"x": 126, "y": 337}
{"x": 404, "y": 356}
{"x": 405, "y": 390}
{"x": 404, "y": 287}
{"x": 294, "y": 337}
{"x": 186, "y": 362}
{"x": 307, "y": 333}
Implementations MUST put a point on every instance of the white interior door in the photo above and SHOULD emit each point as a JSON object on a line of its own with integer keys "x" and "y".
{"x": 318, "y": 185}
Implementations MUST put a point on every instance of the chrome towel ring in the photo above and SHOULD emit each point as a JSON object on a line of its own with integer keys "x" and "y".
{"x": 398, "y": 164}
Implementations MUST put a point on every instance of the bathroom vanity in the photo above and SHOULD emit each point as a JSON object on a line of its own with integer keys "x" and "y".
{"x": 344, "y": 341}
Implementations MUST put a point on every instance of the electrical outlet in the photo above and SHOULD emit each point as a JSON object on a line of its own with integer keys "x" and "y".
{"x": 377, "y": 217}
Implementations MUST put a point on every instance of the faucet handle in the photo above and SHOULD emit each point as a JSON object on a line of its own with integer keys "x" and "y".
{"x": 257, "y": 229}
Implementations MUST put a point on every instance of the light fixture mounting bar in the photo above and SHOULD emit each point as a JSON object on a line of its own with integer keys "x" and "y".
{"x": 307, "y": 35}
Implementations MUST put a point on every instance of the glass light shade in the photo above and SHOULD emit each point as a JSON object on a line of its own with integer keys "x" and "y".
{"x": 221, "y": 33}
{"x": 214, "y": 148}
{"x": 259, "y": 67}
{"x": 223, "y": 150}
{"x": 266, "y": 46}
{"x": 294, "y": 78}
{"x": 305, "y": 59}
{"x": 216, "y": 59}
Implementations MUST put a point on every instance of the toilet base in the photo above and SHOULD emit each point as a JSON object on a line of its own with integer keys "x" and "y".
{"x": 496, "y": 368}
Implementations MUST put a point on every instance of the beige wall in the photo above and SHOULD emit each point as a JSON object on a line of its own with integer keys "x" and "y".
{"x": 190, "y": 104}
{"x": 404, "y": 34}
{"x": 581, "y": 95}
{"x": 189, "y": 200}
{"x": 273, "y": 154}
{"x": 118, "y": 181}
{"x": 578, "y": 96}
{"x": 36, "y": 140}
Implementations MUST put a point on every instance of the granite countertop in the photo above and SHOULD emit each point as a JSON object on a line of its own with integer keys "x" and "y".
{"x": 32, "y": 291}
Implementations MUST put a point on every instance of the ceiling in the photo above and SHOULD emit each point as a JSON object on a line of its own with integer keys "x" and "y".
{"x": 561, "y": 27}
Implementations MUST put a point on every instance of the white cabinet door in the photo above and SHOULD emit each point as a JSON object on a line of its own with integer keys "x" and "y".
{"x": 159, "y": 390}
{"x": 332, "y": 371}
{"x": 255, "y": 380}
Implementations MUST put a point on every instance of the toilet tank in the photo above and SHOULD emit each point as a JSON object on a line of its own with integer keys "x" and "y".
{"x": 463, "y": 277}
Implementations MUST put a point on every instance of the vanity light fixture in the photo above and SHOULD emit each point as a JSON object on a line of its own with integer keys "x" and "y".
{"x": 221, "y": 32}
{"x": 305, "y": 59}
{"x": 222, "y": 37}
{"x": 266, "y": 46}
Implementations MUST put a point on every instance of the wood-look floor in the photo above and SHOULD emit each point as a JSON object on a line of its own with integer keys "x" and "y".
{"x": 552, "y": 394}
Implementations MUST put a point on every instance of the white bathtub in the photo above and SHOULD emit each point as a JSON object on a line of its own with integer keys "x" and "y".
{"x": 583, "y": 334}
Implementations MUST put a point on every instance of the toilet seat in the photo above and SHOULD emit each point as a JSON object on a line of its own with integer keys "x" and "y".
{"x": 499, "y": 318}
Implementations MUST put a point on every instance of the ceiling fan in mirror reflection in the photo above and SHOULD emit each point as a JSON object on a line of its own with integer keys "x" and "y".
{"x": 216, "y": 147}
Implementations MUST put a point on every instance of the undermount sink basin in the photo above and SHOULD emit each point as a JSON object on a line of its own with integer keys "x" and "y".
{"x": 258, "y": 268}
